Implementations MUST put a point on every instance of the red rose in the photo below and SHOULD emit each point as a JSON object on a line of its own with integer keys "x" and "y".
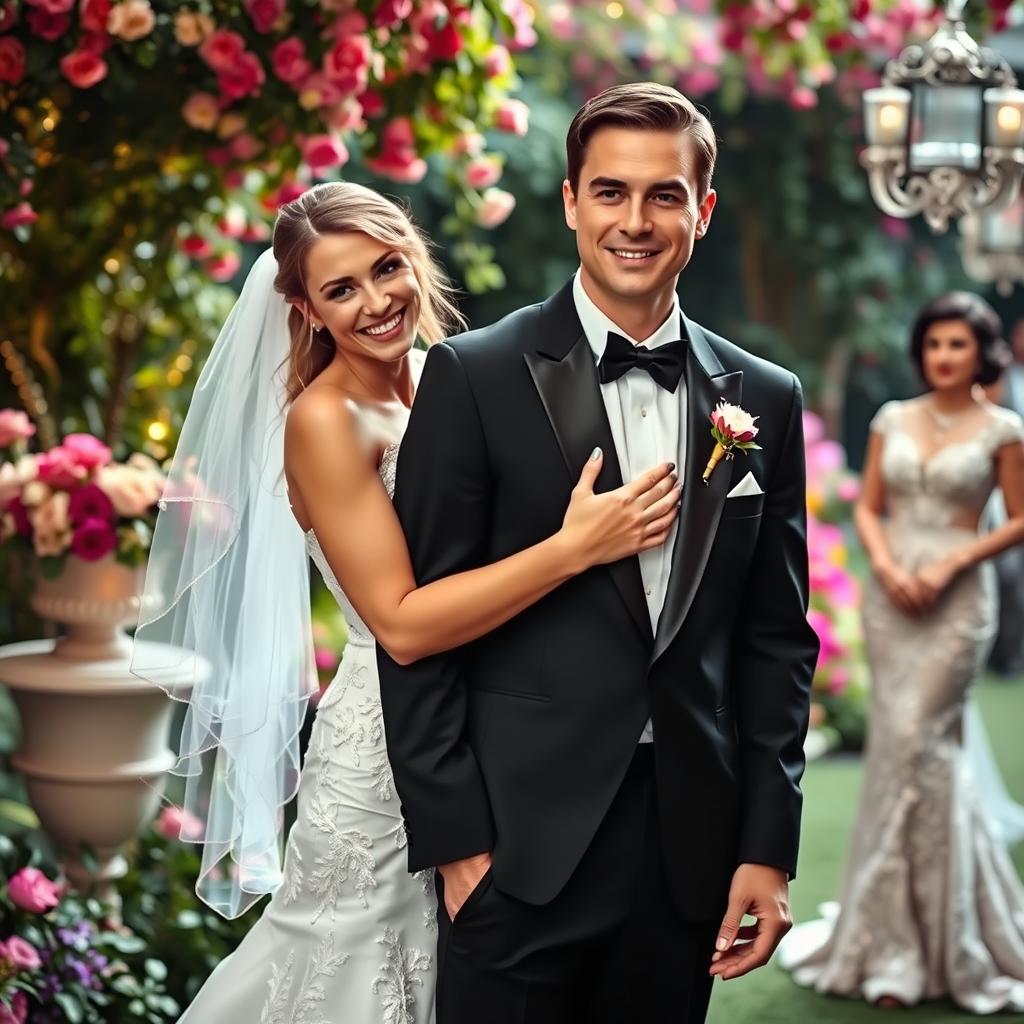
{"x": 52, "y": 6}
{"x": 12, "y": 60}
{"x": 47, "y": 25}
{"x": 443, "y": 43}
{"x": 83, "y": 69}
{"x": 94, "y": 15}
{"x": 347, "y": 64}
{"x": 8, "y": 15}
{"x": 288, "y": 60}
{"x": 243, "y": 78}
{"x": 391, "y": 13}
{"x": 264, "y": 13}
{"x": 222, "y": 49}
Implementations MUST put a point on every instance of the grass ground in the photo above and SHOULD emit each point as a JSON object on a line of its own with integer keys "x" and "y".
{"x": 831, "y": 787}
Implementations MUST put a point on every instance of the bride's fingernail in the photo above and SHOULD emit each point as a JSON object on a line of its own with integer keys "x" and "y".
{"x": 595, "y": 455}
{"x": 671, "y": 467}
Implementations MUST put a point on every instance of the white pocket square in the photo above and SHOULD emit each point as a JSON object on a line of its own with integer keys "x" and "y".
{"x": 747, "y": 486}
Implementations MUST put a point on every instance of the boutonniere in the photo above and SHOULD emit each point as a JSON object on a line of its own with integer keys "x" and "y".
{"x": 733, "y": 430}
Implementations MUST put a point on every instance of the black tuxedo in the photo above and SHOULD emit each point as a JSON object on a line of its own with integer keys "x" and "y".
{"x": 518, "y": 743}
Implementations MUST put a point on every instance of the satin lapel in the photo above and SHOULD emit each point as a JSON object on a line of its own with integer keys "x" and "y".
{"x": 707, "y": 385}
{"x": 570, "y": 392}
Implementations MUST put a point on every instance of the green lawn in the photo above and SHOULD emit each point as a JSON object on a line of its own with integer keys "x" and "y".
{"x": 769, "y": 996}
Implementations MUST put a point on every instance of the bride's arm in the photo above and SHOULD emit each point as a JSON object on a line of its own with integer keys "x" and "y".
{"x": 902, "y": 588}
{"x": 333, "y": 469}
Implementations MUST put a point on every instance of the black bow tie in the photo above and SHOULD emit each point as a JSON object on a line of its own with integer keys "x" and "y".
{"x": 664, "y": 363}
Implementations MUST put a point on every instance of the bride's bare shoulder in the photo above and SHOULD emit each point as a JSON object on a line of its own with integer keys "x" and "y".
{"x": 324, "y": 421}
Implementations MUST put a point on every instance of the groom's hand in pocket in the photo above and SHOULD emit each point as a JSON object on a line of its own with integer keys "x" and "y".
{"x": 461, "y": 877}
{"x": 763, "y": 893}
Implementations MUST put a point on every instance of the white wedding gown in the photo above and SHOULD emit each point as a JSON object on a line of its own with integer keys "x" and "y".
{"x": 349, "y": 937}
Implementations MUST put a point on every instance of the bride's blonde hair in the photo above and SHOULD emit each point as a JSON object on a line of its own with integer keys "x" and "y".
{"x": 338, "y": 207}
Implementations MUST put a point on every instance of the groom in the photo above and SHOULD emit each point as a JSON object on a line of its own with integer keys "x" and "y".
{"x": 607, "y": 783}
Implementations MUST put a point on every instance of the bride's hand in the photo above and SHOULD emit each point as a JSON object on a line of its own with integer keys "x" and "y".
{"x": 904, "y": 590}
{"x": 936, "y": 577}
{"x": 602, "y": 528}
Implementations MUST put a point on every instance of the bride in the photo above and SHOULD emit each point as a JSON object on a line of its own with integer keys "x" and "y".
{"x": 288, "y": 450}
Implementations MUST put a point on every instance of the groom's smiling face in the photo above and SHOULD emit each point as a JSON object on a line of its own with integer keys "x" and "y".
{"x": 636, "y": 211}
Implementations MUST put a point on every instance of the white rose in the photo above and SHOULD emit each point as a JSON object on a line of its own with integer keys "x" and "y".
{"x": 130, "y": 490}
{"x": 496, "y": 207}
{"x": 34, "y": 494}
{"x": 735, "y": 422}
{"x": 51, "y": 542}
{"x": 51, "y": 515}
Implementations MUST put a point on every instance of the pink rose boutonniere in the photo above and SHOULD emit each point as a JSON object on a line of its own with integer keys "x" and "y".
{"x": 733, "y": 430}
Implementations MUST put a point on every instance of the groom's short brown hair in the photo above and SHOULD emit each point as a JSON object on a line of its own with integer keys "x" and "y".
{"x": 644, "y": 106}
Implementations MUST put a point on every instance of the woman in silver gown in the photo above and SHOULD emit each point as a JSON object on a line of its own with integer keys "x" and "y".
{"x": 930, "y": 905}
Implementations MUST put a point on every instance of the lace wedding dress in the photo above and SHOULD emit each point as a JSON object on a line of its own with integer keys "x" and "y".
{"x": 931, "y": 905}
{"x": 349, "y": 936}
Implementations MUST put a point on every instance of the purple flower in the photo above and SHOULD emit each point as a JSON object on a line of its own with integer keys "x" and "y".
{"x": 80, "y": 970}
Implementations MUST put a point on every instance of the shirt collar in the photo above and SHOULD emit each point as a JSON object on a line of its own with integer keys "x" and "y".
{"x": 596, "y": 325}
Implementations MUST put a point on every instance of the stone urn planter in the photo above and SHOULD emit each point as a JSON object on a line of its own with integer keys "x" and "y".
{"x": 94, "y": 737}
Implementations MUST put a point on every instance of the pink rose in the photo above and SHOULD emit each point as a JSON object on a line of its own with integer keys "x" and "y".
{"x": 513, "y": 116}
{"x": 29, "y": 889}
{"x": 399, "y": 166}
{"x": 59, "y": 468}
{"x": 245, "y": 147}
{"x": 348, "y": 23}
{"x": 22, "y": 955}
{"x": 498, "y": 62}
{"x": 12, "y": 60}
{"x": 201, "y": 111}
{"x": 223, "y": 267}
{"x": 287, "y": 193}
{"x": 93, "y": 15}
{"x": 177, "y": 823}
{"x": 392, "y": 13}
{"x": 255, "y": 232}
{"x": 483, "y": 172}
{"x": 93, "y": 540}
{"x": 803, "y": 97}
{"x": 233, "y": 223}
{"x": 243, "y": 78}
{"x": 17, "y": 1012}
{"x": 48, "y": 26}
{"x": 90, "y": 502}
{"x": 17, "y": 216}
{"x": 468, "y": 144}
{"x": 83, "y": 69}
{"x": 496, "y": 207}
{"x": 326, "y": 659}
{"x": 222, "y": 49}
{"x": 323, "y": 152}
{"x": 848, "y": 489}
{"x": 347, "y": 63}
{"x": 398, "y": 133}
{"x": 288, "y": 59}
{"x": 88, "y": 451}
{"x": 14, "y": 426}
{"x": 264, "y": 13}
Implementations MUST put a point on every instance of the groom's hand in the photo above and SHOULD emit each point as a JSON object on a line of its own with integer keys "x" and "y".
{"x": 761, "y": 892}
{"x": 461, "y": 877}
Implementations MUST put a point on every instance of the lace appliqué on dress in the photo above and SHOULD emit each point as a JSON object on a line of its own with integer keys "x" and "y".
{"x": 397, "y": 977}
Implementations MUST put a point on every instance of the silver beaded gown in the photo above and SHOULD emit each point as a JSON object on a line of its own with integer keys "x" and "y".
{"x": 931, "y": 905}
{"x": 349, "y": 937}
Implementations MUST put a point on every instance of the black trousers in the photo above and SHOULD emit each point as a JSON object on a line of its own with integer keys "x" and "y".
{"x": 609, "y": 949}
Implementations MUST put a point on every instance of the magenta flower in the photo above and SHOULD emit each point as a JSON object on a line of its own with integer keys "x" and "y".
{"x": 88, "y": 452}
{"x": 89, "y": 502}
{"x": 177, "y": 823}
{"x": 59, "y": 468}
{"x": 29, "y": 889}
{"x": 326, "y": 659}
{"x": 93, "y": 540}
{"x": 17, "y": 1012}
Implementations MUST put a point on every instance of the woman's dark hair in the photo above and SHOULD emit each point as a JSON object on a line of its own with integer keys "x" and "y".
{"x": 994, "y": 353}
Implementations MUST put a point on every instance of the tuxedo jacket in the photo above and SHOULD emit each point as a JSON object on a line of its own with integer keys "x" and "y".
{"x": 517, "y": 743}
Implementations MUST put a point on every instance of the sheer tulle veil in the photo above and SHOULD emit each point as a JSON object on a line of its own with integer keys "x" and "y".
{"x": 229, "y": 578}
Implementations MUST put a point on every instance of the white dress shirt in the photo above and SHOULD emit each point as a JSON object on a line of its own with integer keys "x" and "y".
{"x": 648, "y": 425}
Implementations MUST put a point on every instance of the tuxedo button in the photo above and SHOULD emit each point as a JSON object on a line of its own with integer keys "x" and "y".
{"x": 647, "y": 591}
{"x": 643, "y": 412}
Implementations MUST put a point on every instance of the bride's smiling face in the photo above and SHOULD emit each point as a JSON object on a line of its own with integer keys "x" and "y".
{"x": 365, "y": 293}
